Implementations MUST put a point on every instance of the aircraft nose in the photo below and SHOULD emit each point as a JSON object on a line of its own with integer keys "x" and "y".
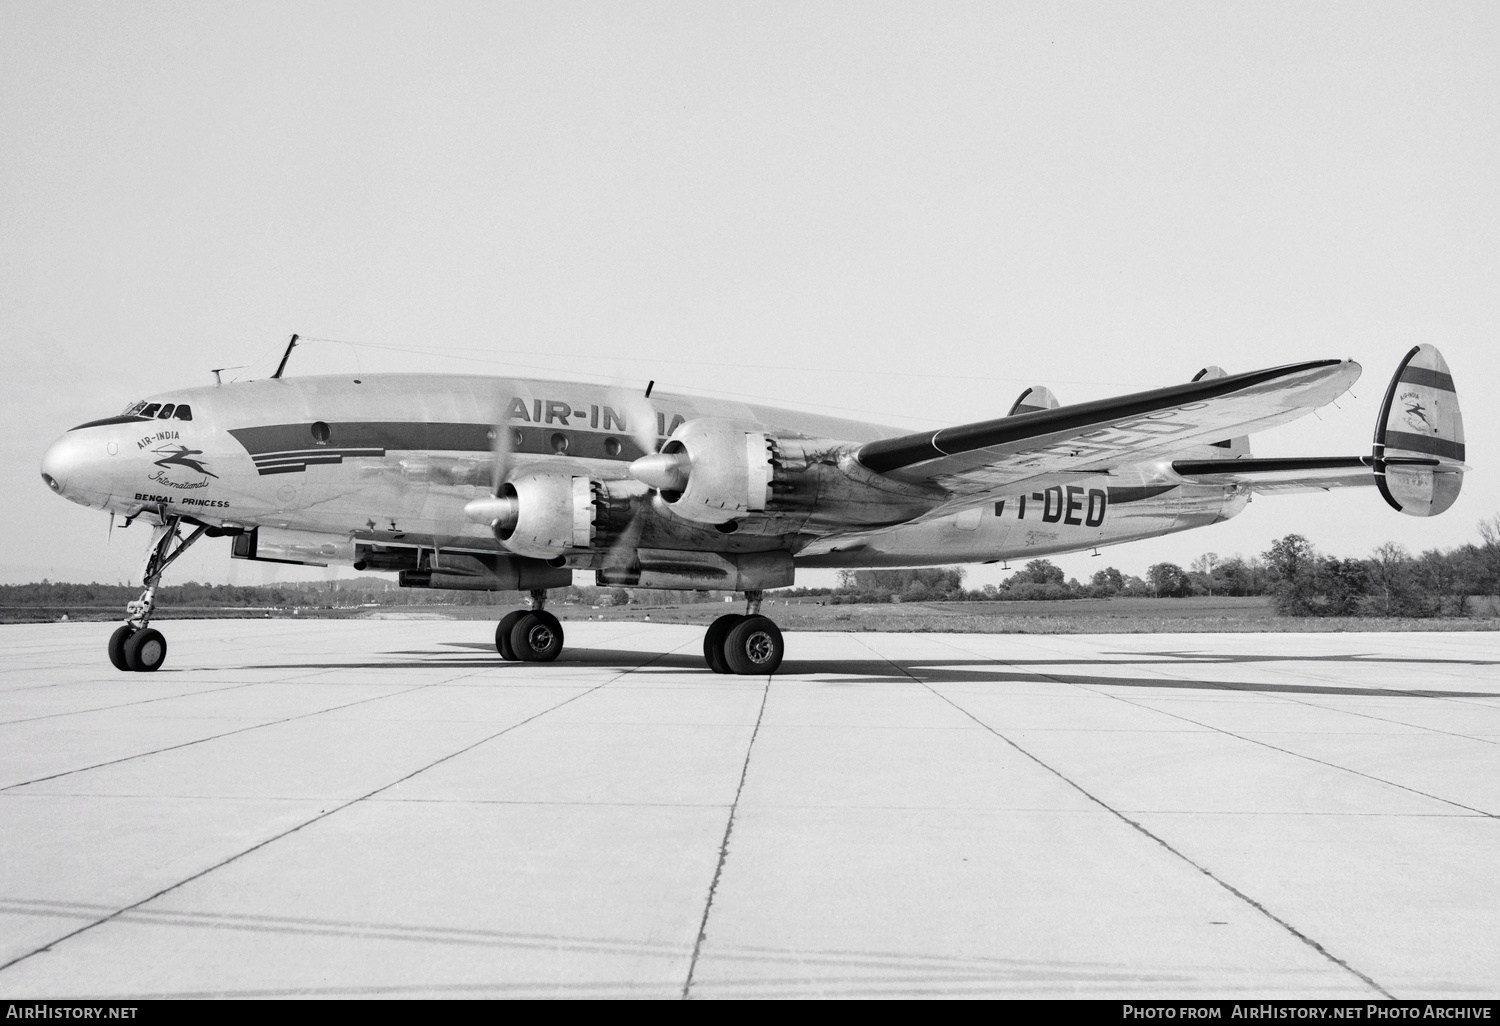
{"x": 57, "y": 462}
{"x": 68, "y": 462}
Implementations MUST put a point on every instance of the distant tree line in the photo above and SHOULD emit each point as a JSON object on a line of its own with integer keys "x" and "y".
{"x": 340, "y": 594}
{"x": 1304, "y": 582}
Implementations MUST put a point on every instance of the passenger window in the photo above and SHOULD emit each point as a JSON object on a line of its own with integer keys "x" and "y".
{"x": 166, "y": 412}
{"x": 184, "y": 412}
{"x": 150, "y": 411}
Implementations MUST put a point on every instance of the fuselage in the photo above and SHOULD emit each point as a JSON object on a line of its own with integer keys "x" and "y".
{"x": 389, "y": 462}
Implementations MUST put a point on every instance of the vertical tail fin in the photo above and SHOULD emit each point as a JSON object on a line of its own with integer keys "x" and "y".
{"x": 1419, "y": 437}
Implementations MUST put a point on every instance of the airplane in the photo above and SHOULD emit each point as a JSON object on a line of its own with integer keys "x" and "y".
{"x": 497, "y": 483}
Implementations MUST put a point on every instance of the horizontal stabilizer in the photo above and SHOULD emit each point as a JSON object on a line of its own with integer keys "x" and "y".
{"x": 1294, "y": 474}
{"x": 1419, "y": 437}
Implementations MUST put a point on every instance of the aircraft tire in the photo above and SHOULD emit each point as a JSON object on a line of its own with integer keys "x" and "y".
{"x": 754, "y": 646}
{"x": 502, "y": 634}
{"x": 537, "y": 637}
{"x": 117, "y": 646}
{"x": 550, "y": 621}
{"x": 714, "y": 638}
{"x": 146, "y": 650}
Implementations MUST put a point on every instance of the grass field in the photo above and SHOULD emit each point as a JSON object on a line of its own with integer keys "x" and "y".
{"x": 1071, "y": 616}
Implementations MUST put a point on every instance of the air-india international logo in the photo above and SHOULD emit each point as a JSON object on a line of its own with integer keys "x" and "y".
{"x": 175, "y": 456}
{"x": 1416, "y": 413}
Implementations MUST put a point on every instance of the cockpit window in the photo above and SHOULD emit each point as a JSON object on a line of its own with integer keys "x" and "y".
{"x": 158, "y": 411}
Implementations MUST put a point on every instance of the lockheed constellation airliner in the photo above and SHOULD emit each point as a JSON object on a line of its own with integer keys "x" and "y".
{"x": 499, "y": 483}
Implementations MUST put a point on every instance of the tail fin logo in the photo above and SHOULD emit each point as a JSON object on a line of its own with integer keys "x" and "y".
{"x": 1416, "y": 416}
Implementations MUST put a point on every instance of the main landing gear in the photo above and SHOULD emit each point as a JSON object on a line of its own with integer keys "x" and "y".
{"x": 133, "y": 645}
{"x": 745, "y": 643}
{"x": 530, "y": 635}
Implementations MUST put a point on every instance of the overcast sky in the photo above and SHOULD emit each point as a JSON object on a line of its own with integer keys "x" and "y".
{"x": 914, "y": 210}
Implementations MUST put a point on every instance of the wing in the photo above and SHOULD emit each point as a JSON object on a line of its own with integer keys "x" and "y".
{"x": 1282, "y": 476}
{"x": 993, "y": 456}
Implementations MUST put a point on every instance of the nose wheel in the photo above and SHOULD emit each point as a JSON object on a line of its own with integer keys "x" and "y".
{"x": 134, "y": 646}
{"x": 743, "y": 644}
{"x": 146, "y": 650}
{"x": 117, "y": 642}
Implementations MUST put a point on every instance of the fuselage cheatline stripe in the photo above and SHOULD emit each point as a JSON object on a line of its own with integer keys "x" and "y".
{"x": 318, "y": 452}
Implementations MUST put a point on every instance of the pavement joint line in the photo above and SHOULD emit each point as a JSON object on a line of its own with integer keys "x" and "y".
{"x": 1141, "y": 828}
{"x": 211, "y": 737}
{"x": 713, "y": 885}
{"x": 257, "y": 726}
{"x": 1395, "y": 692}
{"x": 416, "y": 991}
{"x": 126, "y": 705}
{"x": 70, "y": 683}
{"x": 1293, "y": 754}
{"x": 1256, "y": 741}
{"x": 1367, "y": 716}
{"x": 321, "y": 815}
{"x": 364, "y": 929}
{"x": 1443, "y": 667}
{"x": 1361, "y": 714}
{"x": 987, "y": 810}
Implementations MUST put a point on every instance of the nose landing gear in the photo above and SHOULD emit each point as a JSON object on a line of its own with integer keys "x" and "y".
{"x": 529, "y": 635}
{"x": 133, "y": 645}
{"x": 744, "y": 643}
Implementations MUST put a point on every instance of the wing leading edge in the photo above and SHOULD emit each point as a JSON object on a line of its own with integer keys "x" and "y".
{"x": 1417, "y": 458}
{"x": 972, "y": 459}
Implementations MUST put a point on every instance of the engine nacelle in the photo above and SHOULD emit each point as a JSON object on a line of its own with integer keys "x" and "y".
{"x": 541, "y": 515}
{"x": 712, "y": 471}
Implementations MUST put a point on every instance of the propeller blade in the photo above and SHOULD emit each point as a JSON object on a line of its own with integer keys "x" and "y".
{"x": 640, "y": 415}
{"x": 502, "y": 441}
{"x": 622, "y": 554}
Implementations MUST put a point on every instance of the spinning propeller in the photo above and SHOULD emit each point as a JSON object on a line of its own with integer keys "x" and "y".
{"x": 501, "y": 509}
{"x": 497, "y": 509}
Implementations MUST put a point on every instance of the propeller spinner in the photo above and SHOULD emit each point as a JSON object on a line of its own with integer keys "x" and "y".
{"x": 664, "y": 471}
